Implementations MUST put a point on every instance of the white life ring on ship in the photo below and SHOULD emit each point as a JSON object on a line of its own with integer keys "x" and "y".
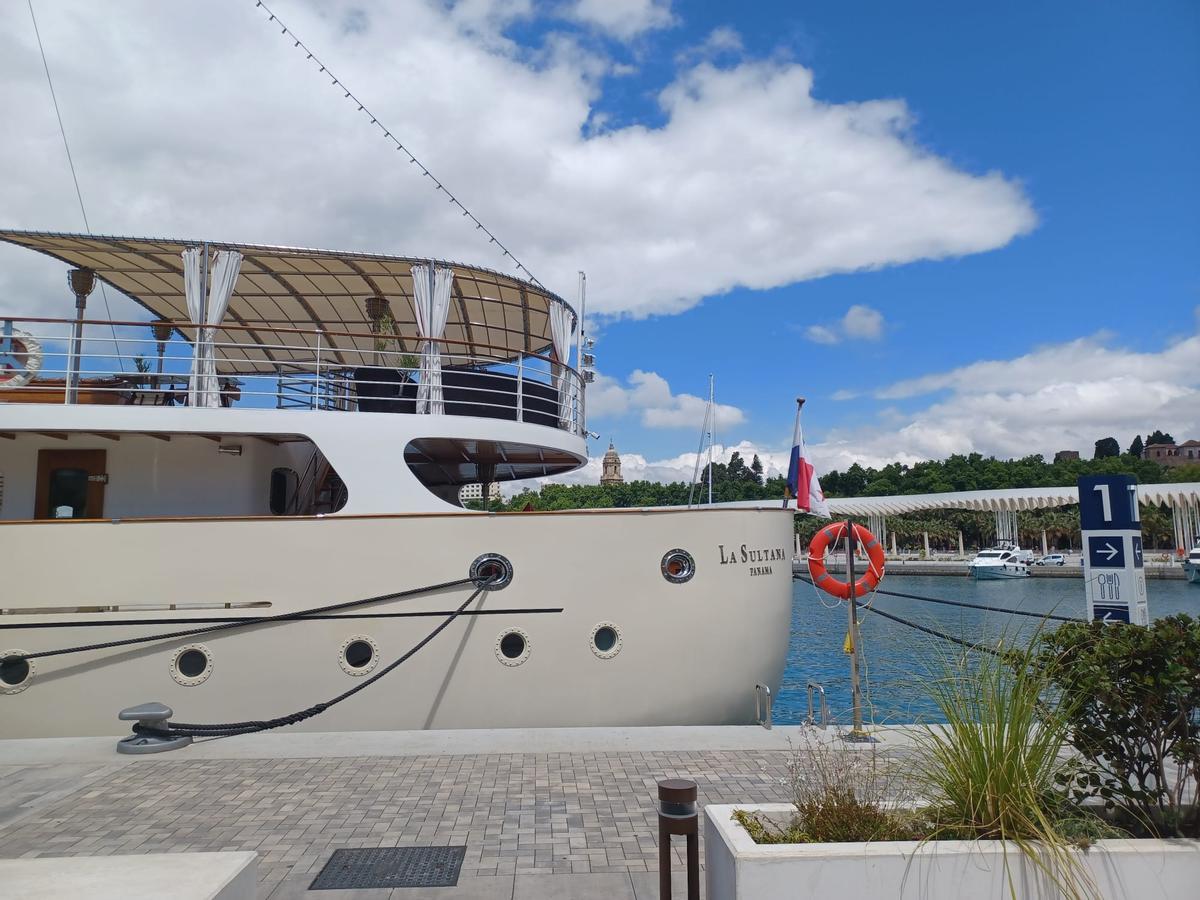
{"x": 31, "y": 349}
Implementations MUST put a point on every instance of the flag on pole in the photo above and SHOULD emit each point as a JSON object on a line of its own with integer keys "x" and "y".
{"x": 802, "y": 480}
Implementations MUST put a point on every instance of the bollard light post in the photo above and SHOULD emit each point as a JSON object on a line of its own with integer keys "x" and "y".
{"x": 677, "y": 815}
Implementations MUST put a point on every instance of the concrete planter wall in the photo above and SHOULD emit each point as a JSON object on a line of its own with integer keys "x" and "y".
{"x": 736, "y": 867}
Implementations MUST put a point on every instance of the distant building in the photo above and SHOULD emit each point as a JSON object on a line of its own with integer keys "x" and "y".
{"x": 1185, "y": 454}
{"x": 611, "y": 473}
{"x": 475, "y": 492}
{"x": 1066, "y": 455}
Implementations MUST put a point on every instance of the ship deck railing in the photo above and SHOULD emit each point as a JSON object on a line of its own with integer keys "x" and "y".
{"x": 281, "y": 367}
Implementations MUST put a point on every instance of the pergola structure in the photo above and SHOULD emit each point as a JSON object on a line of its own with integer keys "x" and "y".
{"x": 1183, "y": 499}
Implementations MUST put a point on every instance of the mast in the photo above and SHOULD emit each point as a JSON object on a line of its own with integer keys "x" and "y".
{"x": 712, "y": 434}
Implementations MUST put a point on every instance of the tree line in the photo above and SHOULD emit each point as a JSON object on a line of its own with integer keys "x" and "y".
{"x": 737, "y": 480}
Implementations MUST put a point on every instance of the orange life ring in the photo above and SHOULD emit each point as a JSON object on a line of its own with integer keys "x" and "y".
{"x": 831, "y": 534}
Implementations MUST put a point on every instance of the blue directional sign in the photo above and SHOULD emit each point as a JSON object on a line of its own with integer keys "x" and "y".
{"x": 1108, "y": 502}
{"x": 1113, "y": 573}
{"x": 1106, "y": 552}
{"x": 1111, "y": 614}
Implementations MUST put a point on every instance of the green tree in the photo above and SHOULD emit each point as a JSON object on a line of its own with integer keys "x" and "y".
{"x": 756, "y": 467}
{"x": 1136, "y": 448}
{"x": 1159, "y": 437}
{"x": 1107, "y": 447}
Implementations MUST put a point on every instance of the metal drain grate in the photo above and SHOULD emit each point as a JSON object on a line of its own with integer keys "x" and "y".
{"x": 391, "y": 867}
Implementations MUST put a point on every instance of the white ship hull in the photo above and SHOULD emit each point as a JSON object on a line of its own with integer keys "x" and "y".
{"x": 689, "y": 653}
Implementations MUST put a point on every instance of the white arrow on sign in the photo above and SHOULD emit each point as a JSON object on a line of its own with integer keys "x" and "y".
{"x": 1110, "y": 552}
{"x": 1137, "y": 551}
{"x": 1106, "y": 618}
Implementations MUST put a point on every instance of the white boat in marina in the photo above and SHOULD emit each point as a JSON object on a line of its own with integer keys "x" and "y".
{"x": 1191, "y": 566}
{"x": 1002, "y": 561}
{"x": 296, "y": 437}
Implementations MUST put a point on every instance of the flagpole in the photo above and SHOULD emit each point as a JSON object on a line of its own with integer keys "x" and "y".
{"x": 787, "y": 488}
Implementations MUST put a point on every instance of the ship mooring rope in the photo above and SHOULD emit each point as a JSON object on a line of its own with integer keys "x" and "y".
{"x": 982, "y": 648}
{"x": 980, "y": 606}
{"x": 249, "y": 620}
{"x": 231, "y": 729}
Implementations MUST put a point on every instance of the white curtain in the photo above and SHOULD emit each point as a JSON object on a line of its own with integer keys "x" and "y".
{"x": 203, "y": 389}
{"x": 562, "y": 333}
{"x": 431, "y": 298}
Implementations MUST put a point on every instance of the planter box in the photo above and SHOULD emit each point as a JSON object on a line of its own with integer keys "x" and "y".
{"x": 736, "y": 867}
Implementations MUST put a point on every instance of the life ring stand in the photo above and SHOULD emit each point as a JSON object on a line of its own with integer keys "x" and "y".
{"x": 831, "y": 534}
{"x": 31, "y": 349}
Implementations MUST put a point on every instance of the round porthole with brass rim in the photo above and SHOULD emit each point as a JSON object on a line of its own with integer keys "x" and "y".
{"x": 191, "y": 665}
{"x": 16, "y": 673}
{"x": 606, "y": 640}
{"x": 512, "y": 647}
{"x": 678, "y": 566}
{"x": 359, "y": 655}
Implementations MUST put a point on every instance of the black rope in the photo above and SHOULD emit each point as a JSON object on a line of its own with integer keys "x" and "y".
{"x": 982, "y": 648}
{"x": 1011, "y": 612}
{"x": 230, "y": 729}
{"x": 249, "y": 620}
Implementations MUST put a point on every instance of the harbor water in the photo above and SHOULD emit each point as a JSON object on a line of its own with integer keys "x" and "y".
{"x": 899, "y": 660}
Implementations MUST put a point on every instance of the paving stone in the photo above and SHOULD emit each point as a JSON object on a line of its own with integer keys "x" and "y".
{"x": 521, "y": 814}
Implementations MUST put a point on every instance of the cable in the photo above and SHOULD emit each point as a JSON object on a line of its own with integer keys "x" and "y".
{"x": 240, "y": 623}
{"x": 230, "y": 729}
{"x": 78, "y": 193}
{"x": 1000, "y": 609}
{"x": 362, "y": 108}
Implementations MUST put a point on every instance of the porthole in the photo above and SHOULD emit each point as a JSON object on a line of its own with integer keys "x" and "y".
{"x": 16, "y": 673}
{"x": 191, "y": 665}
{"x": 492, "y": 572}
{"x": 678, "y": 566}
{"x": 606, "y": 640}
{"x": 359, "y": 655}
{"x": 512, "y": 647}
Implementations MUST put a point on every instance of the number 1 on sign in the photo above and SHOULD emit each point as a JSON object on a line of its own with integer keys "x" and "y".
{"x": 1105, "y": 501}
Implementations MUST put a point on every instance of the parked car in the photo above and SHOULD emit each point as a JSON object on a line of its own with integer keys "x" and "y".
{"x": 1052, "y": 559}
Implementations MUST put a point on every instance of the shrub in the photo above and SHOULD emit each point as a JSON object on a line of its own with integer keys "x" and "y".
{"x": 841, "y": 793}
{"x": 1134, "y": 716}
{"x": 991, "y": 771}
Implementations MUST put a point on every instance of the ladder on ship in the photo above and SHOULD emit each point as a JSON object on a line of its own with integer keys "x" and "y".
{"x": 319, "y": 490}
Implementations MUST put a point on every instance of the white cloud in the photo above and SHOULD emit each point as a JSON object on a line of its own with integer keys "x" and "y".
{"x": 649, "y": 394}
{"x": 859, "y": 323}
{"x": 863, "y": 323}
{"x": 193, "y": 125}
{"x": 1057, "y": 397}
{"x": 721, "y": 41}
{"x": 623, "y": 19}
{"x": 636, "y": 467}
{"x": 821, "y": 334}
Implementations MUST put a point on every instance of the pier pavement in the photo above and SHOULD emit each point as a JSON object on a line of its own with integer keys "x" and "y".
{"x": 565, "y": 812}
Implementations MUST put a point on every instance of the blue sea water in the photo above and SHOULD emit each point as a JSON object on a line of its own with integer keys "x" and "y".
{"x": 900, "y": 660}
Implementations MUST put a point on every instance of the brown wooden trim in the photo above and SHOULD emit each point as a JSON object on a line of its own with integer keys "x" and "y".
{"x": 8, "y": 435}
{"x": 58, "y": 435}
{"x": 107, "y": 435}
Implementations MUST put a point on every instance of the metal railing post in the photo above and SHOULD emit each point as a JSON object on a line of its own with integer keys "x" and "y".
{"x": 317, "y": 383}
{"x": 520, "y": 388}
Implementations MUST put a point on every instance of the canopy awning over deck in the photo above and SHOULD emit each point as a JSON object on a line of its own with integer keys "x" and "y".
{"x": 492, "y": 315}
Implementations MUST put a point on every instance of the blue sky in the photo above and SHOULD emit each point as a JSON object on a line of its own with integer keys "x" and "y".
{"x": 952, "y": 227}
{"x": 1093, "y": 107}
